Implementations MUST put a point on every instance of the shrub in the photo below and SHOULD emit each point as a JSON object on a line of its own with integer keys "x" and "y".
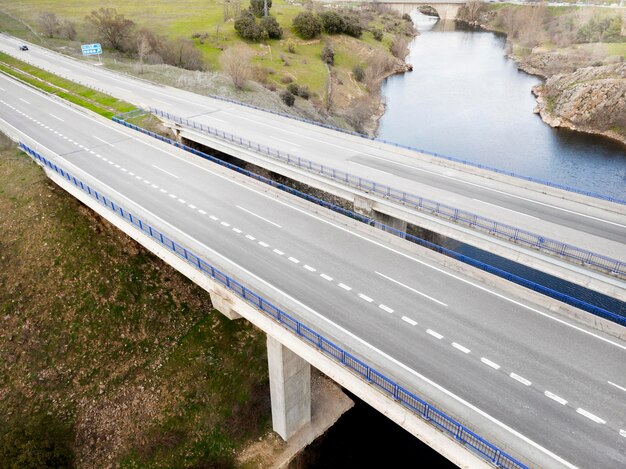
{"x": 274, "y": 31}
{"x": 358, "y": 73}
{"x": 257, "y": 7}
{"x": 332, "y": 22}
{"x": 328, "y": 56}
{"x": 407, "y": 17}
{"x": 307, "y": 25}
{"x": 288, "y": 98}
{"x": 291, "y": 47}
{"x": 247, "y": 27}
{"x": 293, "y": 88}
{"x": 378, "y": 34}
{"x": 286, "y": 79}
{"x": 36, "y": 442}
{"x": 236, "y": 63}
{"x": 352, "y": 27}
{"x": 303, "y": 92}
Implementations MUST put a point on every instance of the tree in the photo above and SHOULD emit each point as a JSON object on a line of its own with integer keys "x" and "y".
{"x": 247, "y": 27}
{"x": 258, "y": 7}
{"x": 352, "y": 26}
{"x": 68, "y": 30}
{"x": 328, "y": 55}
{"x": 400, "y": 47}
{"x": 332, "y": 22}
{"x": 115, "y": 29}
{"x": 236, "y": 63}
{"x": 49, "y": 24}
{"x": 143, "y": 47}
{"x": 307, "y": 25}
{"x": 231, "y": 9}
{"x": 274, "y": 31}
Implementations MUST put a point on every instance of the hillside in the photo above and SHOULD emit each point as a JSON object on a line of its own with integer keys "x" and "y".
{"x": 109, "y": 357}
{"x": 207, "y": 26}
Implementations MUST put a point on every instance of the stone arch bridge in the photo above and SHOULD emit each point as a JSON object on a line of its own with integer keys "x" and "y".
{"x": 447, "y": 9}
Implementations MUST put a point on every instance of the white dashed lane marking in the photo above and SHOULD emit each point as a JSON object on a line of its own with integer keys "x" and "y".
{"x": 521, "y": 379}
{"x": 460, "y": 347}
{"x": 345, "y": 287}
{"x": 386, "y": 308}
{"x": 590, "y": 416}
{"x": 326, "y": 277}
{"x": 488, "y": 362}
{"x": 409, "y": 320}
{"x": 213, "y": 217}
{"x": 279, "y": 252}
{"x": 436, "y": 335}
{"x": 250, "y": 237}
{"x": 554, "y": 397}
{"x": 365, "y": 297}
{"x": 265, "y": 245}
{"x": 294, "y": 260}
{"x": 623, "y": 433}
{"x": 309, "y": 268}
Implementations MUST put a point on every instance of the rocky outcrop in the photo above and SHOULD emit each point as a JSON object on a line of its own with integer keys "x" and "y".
{"x": 591, "y": 99}
{"x": 428, "y": 10}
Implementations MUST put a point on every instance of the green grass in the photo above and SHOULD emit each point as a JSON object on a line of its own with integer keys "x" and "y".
{"x": 618, "y": 48}
{"x": 186, "y": 17}
{"x": 95, "y": 101}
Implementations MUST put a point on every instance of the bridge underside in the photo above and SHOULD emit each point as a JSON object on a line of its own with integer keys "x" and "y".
{"x": 446, "y": 11}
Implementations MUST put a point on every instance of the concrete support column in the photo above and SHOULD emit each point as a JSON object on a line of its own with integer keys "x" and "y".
{"x": 220, "y": 301}
{"x": 290, "y": 389}
{"x": 363, "y": 205}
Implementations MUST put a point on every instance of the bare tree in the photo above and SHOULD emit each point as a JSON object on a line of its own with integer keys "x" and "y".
{"x": 113, "y": 27}
{"x": 471, "y": 11}
{"x": 236, "y": 63}
{"x": 378, "y": 67}
{"x": 49, "y": 24}
{"x": 231, "y": 9}
{"x": 360, "y": 112}
{"x": 400, "y": 46}
{"x": 143, "y": 47}
{"x": 68, "y": 30}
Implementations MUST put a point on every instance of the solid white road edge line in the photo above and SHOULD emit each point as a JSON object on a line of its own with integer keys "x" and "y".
{"x": 412, "y": 289}
{"x": 258, "y": 216}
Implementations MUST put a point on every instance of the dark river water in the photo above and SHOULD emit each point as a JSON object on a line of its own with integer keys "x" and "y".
{"x": 466, "y": 99}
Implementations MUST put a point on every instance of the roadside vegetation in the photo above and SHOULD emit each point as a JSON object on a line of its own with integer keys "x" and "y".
{"x": 109, "y": 357}
{"x": 579, "y": 50}
{"x": 195, "y": 44}
{"x": 98, "y": 102}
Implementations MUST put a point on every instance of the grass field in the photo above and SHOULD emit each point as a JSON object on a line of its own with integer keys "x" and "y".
{"x": 98, "y": 334}
{"x": 186, "y": 17}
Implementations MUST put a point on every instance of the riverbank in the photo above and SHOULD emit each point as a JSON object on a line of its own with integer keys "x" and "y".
{"x": 342, "y": 91}
{"x": 584, "y": 88}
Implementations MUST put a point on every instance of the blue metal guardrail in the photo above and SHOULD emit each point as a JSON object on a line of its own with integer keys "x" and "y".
{"x": 429, "y": 413}
{"x": 372, "y": 222}
{"x": 427, "y": 152}
{"x": 492, "y": 227}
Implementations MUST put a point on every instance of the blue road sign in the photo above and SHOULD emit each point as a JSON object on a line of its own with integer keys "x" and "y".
{"x": 91, "y": 49}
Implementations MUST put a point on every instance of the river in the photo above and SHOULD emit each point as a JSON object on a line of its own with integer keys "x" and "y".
{"x": 466, "y": 99}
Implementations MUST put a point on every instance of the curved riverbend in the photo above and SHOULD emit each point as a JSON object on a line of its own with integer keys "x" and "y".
{"x": 466, "y": 99}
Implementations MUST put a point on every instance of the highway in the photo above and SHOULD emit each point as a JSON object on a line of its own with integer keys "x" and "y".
{"x": 546, "y": 389}
{"x": 600, "y": 230}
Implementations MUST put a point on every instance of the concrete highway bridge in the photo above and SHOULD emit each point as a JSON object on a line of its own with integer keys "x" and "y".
{"x": 483, "y": 370}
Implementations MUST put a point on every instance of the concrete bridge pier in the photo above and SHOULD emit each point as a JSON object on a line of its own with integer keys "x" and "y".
{"x": 290, "y": 389}
{"x": 290, "y": 376}
{"x": 365, "y": 207}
